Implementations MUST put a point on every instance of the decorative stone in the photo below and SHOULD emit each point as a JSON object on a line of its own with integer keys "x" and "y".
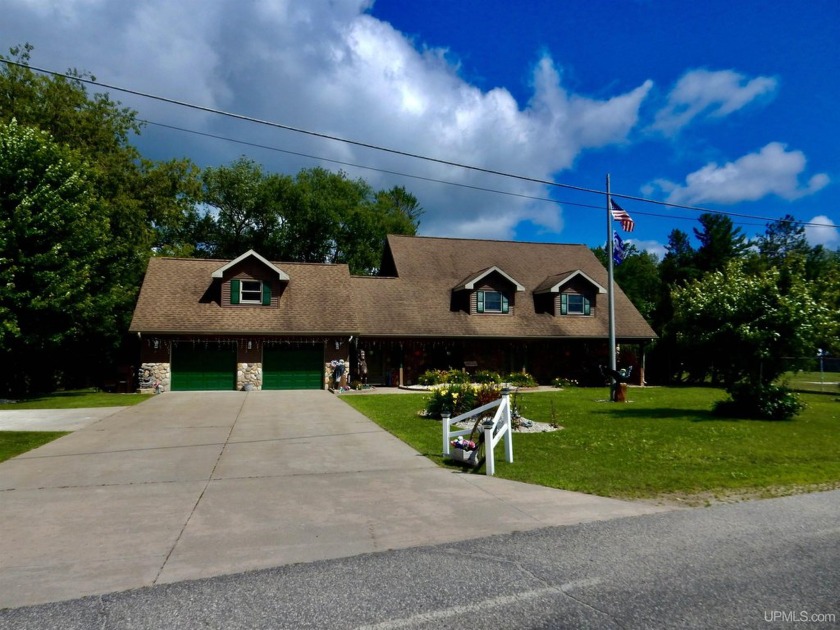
{"x": 154, "y": 378}
{"x": 249, "y": 376}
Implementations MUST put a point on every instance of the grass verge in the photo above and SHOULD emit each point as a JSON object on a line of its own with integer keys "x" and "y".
{"x": 13, "y": 443}
{"x": 664, "y": 444}
{"x": 79, "y": 399}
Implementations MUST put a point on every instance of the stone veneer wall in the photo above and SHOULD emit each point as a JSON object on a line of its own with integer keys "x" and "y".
{"x": 158, "y": 372}
{"x": 249, "y": 374}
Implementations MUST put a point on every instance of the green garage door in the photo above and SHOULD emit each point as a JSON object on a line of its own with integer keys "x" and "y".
{"x": 293, "y": 368}
{"x": 202, "y": 369}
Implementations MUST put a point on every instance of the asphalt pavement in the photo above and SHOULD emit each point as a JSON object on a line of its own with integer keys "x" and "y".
{"x": 196, "y": 485}
{"x": 760, "y": 564}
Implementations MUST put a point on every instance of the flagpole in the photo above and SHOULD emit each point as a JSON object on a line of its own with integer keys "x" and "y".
{"x": 611, "y": 282}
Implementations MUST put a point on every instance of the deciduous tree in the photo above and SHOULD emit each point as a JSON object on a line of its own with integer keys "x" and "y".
{"x": 52, "y": 243}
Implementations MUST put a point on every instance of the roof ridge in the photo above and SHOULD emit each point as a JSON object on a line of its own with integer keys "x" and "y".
{"x": 483, "y": 240}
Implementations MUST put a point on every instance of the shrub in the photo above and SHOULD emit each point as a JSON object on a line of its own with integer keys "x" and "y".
{"x": 562, "y": 381}
{"x": 521, "y": 379}
{"x": 431, "y": 377}
{"x": 486, "y": 376}
{"x": 454, "y": 399}
{"x": 487, "y": 393}
{"x": 759, "y": 402}
{"x": 458, "y": 377}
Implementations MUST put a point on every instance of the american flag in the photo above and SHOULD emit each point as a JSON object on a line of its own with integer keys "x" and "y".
{"x": 620, "y": 215}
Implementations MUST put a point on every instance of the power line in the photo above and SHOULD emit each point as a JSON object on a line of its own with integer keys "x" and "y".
{"x": 266, "y": 147}
{"x": 417, "y": 156}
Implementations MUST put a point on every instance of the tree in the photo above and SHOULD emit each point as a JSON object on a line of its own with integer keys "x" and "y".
{"x": 638, "y": 277}
{"x": 246, "y": 212}
{"x": 782, "y": 238}
{"x": 720, "y": 242}
{"x": 144, "y": 204}
{"x": 743, "y": 325}
{"x": 52, "y": 237}
{"x": 317, "y": 216}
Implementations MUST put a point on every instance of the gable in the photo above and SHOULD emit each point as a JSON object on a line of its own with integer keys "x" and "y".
{"x": 180, "y": 295}
{"x": 489, "y": 277}
{"x": 253, "y": 257}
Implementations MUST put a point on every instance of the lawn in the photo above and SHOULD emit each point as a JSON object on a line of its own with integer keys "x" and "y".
{"x": 13, "y": 443}
{"x": 77, "y": 399}
{"x": 664, "y": 443}
{"x": 825, "y": 382}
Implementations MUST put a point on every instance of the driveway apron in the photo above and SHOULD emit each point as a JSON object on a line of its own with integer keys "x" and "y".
{"x": 199, "y": 484}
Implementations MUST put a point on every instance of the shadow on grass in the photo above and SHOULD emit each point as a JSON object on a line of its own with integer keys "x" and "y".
{"x": 696, "y": 415}
{"x": 666, "y": 413}
{"x": 42, "y": 397}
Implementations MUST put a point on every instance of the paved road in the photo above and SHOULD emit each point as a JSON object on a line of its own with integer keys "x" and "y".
{"x": 763, "y": 564}
{"x": 194, "y": 485}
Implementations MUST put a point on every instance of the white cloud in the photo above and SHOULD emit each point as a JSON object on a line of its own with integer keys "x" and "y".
{"x": 712, "y": 94}
{"x": 327, "y": 65}
{"x": 772, "y": 171}
{"x": 825, "y": 233}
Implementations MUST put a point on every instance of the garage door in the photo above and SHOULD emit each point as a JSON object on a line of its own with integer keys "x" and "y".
{"x": 293, "y": 368}
{"x": 202, "y": 369}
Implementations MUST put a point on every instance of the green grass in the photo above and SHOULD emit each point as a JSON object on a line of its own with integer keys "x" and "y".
{"x": 13, "y": 443}
{"x": 825, "y": 383}
{"x": 79, "y": 399}
{"x": 664, "y": 443}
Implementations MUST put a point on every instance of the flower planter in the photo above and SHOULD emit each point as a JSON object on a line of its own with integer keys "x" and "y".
{"x": 462, "y": 456}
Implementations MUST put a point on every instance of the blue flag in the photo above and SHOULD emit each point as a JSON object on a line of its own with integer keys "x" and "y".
{"x": 618, "y": 249}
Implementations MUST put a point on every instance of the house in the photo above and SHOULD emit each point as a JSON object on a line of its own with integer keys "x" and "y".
{"x": 436, "y": 303}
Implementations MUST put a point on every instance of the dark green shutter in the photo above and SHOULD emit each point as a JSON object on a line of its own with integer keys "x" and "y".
{"x": 564, "y": 304}
{"x": 479, "y": 306}
{"x": 586, "y": 308}
{"x": 266, "y": 297}
{"x": 234, "y": 291}
{"x": 505, "y": 304}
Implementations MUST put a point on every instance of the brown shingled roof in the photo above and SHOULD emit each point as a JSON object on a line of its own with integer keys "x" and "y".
{"x": 317, "y": 300}
{"x": 417, "y": 301}
{"x": 324, "y": 299}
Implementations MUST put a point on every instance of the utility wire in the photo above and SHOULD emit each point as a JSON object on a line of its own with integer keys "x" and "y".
{"x": 417, "y": 156}
{"x": 266, "y": 147}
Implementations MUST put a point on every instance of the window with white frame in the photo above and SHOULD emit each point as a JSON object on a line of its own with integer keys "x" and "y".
{"x": 574, "y": 304}
{"x": 250, "y": 292}
{"x": 492, "y": 302}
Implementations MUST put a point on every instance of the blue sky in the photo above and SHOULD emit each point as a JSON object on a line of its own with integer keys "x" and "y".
{"x": 730, "y": 106}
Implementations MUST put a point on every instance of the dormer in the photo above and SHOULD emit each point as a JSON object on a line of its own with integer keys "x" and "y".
{"x": 572, "y": 293}
{"x": 489, "y": 291}
{"x": 250, "y": 280}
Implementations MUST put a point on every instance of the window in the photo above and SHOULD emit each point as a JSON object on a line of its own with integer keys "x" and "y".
{"x": 492, "y": 302}
{"x": 250, "y": 292}
{"x": 574, "y": 304}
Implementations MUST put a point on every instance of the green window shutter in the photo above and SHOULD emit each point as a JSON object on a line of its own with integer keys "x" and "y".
{"x": 266, "y": 296}
{"x": 234, "y": 291}
{"x": 587, "y": 310}
{"x": 505, "y": 304}
{"x": 564, "y": 304}
{"x": 479, "y": 305}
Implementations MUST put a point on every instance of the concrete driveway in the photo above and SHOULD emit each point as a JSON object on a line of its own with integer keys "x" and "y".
{"x": 192, "y": 485}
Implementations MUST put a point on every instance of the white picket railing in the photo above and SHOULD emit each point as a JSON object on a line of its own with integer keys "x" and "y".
{"x": 494, "y": 430}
